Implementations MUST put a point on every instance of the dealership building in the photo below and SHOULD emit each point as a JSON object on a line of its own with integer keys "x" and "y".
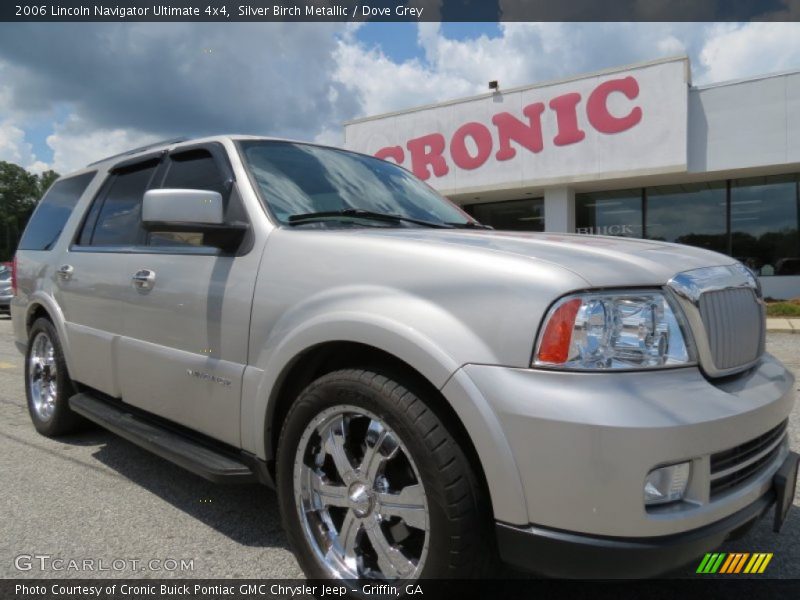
{"x": 635, "y": 151}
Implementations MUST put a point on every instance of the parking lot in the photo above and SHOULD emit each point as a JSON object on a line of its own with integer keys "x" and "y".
{"x": 97, "y": 497}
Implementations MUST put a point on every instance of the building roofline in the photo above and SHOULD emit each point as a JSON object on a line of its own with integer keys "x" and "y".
{"x": 522, "y": 88}
{"x": 708, "y": 86}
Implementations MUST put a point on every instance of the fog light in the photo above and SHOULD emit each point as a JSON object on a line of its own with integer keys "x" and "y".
{"x": 666, "y": 484}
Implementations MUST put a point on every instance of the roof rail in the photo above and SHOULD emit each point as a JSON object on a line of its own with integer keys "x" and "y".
{"x": 140, "y": 149}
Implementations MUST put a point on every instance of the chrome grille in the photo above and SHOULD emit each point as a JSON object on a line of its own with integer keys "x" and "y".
{"x": 734, "y": 325}
{"x": 723, "y": 309}
{"x": 734, "y": 466}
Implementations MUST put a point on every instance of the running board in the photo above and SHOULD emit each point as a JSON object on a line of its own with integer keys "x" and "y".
{"x": 200, "y": 459}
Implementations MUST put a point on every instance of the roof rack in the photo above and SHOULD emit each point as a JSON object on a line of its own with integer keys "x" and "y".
{"x": 140, "y": 149}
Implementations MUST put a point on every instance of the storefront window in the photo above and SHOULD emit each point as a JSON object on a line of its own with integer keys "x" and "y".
{"x": 693, "y": 214}
{"x": 765, "y": 224}
{"x": 763, "y": 231}
{"x": 609, "y": 213}
{"x": 510, "y": 215}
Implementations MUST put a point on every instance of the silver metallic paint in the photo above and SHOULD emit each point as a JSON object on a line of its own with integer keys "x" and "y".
{"x": 583, "y": 443}
{"x": 182, "y": 206}
{"x": 461, "y": 307}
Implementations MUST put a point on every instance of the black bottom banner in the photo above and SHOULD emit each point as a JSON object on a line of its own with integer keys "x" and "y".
{"x": 707, "y": 587}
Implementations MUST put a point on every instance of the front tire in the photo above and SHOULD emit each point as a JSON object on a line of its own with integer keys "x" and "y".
{"x": 47, "y": 383}
{"x": 373, "y": 484}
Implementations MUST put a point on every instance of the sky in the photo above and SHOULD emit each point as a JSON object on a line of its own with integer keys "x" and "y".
{"x": 74, "y": 93}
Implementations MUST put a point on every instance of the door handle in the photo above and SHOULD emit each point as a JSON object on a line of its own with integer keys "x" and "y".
{"x": 144, "y": 279}
{"x": 65, "y": 272}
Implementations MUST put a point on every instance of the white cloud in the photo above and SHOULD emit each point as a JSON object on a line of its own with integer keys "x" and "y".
{"x": 382, "y": 84}
{"x": 732, "y": 51}
{"x": 523, "y": 53}
{"x": 16, "y": 149}
{"x": 671, "y": 46}
{"x": 180, "y": 78}
{"x": 76, "y": 143}
{"x": 526, "y": 53}
{"x": 331, "y": 136}
{"x": 142, "y": 83}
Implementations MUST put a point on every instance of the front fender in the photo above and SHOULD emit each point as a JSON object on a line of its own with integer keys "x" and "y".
{"x": 421, "y": 334}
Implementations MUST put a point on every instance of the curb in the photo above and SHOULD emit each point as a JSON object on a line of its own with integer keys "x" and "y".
{"x": 783, "y": 325}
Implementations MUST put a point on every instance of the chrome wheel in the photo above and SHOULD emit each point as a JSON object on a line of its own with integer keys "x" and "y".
{"x": 360, "y": 498}
{"x": 43, "y": 376}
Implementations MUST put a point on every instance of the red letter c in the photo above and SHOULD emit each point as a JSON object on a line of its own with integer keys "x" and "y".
{"x": 394, "y": 152}
{"x": 597, "y": 106}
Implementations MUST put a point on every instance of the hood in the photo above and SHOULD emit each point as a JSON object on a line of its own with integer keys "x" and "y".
{"x": 601, "y": 261}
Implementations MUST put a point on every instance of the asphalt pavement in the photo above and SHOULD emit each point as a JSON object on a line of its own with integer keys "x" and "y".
{"x": 96, "y": 497}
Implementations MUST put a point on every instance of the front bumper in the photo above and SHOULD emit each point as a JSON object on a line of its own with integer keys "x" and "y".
{"x": 563, "y": 554}
{"x": 570, "y": 451}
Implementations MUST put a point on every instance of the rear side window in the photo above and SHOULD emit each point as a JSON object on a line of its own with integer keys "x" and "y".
{"x": 49, "y": 218}
{"x": 119, "y": 217}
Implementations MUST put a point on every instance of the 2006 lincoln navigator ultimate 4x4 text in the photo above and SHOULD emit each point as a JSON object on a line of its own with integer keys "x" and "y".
{"x": 419, "y": 389}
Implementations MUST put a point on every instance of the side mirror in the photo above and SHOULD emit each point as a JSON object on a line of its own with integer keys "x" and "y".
{"x": 192, "y": 211}
{"x": 184, "y": 207}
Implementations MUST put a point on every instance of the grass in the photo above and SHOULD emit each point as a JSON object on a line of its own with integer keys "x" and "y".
{"x": 783, "y": 308}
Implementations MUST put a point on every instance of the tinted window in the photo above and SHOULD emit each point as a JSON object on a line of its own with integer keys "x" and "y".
{"x": 609, "y": 213}
{"x": 765, "y": 220}
{"x": 692, "y": 214}
{"x": 119, "y": 222}
{"x": 764, "y": 230}
{"x": 194, "y": 170}
{"x": 51, "y": 215}
{"x": 511, "y": 215}
{"x": 5, "y": 273}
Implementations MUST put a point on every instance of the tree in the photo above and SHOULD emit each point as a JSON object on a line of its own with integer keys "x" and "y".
{"x": 46, "y": 179}
{"x": 19, "y": 193}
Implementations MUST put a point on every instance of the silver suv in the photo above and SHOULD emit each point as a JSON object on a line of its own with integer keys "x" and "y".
{"x": 424, "y": 393}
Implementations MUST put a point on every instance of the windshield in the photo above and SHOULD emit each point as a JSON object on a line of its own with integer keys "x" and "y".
{"x": 299, "y": 179}
{"x": 5, "y": 273}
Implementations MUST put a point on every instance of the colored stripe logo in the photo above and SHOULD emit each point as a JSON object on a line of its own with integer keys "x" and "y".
{"x": 734, "y": 563}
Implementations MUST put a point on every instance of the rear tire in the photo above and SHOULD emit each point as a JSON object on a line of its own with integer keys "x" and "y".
{"x": 374, "y": 485}
{"x": 48, "y": 386}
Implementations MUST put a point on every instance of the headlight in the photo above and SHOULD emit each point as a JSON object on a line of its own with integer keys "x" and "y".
{"x": 612, "y": 330}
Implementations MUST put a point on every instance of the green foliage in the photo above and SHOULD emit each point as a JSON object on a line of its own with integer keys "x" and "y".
{"x": 19, "y": 193}
{"x": 46, "y": 179}
{"x": 790, "y": 308}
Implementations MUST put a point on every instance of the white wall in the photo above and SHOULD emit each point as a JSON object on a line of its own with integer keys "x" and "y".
{"x": 784, "y": 287}
{"x": 745, "y": 124}
{"x": 655, "y": 144}
{"x": 559, "y": 210}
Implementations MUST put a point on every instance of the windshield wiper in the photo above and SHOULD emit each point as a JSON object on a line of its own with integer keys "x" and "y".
{"x": 361, "y": 213}
{"x": 470, "y": 225}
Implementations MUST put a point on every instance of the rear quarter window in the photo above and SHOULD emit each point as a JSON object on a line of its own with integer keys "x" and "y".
{"x": 48, "y": 220}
